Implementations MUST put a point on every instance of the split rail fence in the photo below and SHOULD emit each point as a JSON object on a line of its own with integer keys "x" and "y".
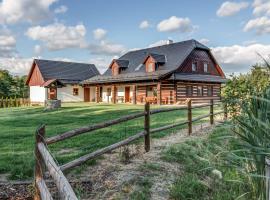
{"x": 14, "y": 102}
{"x": 43, "y": 158}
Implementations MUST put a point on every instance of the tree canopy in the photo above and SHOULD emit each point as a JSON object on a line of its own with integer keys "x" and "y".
{"x": 12, "y": 86}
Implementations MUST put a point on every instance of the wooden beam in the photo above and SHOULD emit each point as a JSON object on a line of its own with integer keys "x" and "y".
{"x": 211, "y": 111}
{"x": 99, "y": 152}
{"x": 134, "y": 94}
{"x": 156, "y": 111}
{"x": 114, "y": 94}
{"x": 189, "y": 117}
{"x": 39, "y": 164}
{"x": 44, "y": 191}
{"x": 97, "y": 94}
{"x": 159, "y": 93}
{"x": 147, "y": 127}
{"x": 62, "y": 184}
{"x": 90, "y": 128}
{"x": 168, "y": 126}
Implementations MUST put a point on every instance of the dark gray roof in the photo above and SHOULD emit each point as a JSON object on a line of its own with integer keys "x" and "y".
{"x": 174, "y": 54}
{"x": 66, "y": 72}
{"x": 122, "y": 63}
{"x": 198, "y": 77}
{"x": 158, "y": 57}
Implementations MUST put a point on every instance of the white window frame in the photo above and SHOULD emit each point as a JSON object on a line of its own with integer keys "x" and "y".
{"x": 194, "y": 67}
{"x": 205, "y": 67}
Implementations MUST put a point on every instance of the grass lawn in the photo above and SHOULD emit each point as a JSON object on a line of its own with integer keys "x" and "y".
{"x": 207, "y": 171}
{"x": 18, "y": 125}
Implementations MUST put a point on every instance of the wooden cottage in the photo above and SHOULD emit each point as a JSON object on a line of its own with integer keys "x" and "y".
{"x": 166, "y": 74}
{"x": 60, "y": 80}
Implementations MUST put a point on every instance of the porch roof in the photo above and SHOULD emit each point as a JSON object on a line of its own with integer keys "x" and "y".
{"x": 132, "y": 77}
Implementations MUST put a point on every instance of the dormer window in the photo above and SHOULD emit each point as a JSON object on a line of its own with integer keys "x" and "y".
{"x": 153, "y": 61}
{"x": 118, "y": 65}
{"x": 205, "y": 67}
{"x": 194, "y": 66}
{"x": 150, "y": 67}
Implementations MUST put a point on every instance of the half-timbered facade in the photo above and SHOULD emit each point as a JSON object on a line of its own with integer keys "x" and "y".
{"x": 60, "y": 80}
{"x": 167, "y": 74}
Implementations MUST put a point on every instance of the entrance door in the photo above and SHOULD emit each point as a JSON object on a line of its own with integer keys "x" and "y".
{"x": 86, "y": 94}
{"x": 127, "y": 94}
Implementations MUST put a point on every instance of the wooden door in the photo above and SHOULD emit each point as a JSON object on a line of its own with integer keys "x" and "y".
{"x": 127, "y": 94}
{"x": 86, "y": 94}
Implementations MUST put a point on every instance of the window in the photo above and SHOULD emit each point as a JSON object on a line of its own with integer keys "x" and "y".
{"x": 189, "y": 90}
{"x": 75, "y": 91}
{"x": 109, "y": 90}
{"x": 209, "y": 90}
{"x": 199, "y": 91}
{"x": 151, "y": 67}
{"x": 194, "y": 66}
{"x": 205, "y": 67}
{"x": 150, "y": 91}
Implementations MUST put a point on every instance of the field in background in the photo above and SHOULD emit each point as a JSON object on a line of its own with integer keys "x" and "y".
{"x": 18, "y": 125}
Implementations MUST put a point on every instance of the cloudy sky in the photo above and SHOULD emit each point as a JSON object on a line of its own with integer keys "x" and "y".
{"x": 97, "y": 31}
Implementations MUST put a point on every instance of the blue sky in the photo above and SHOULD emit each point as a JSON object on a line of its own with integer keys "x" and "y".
{"x": 97, "y": 31}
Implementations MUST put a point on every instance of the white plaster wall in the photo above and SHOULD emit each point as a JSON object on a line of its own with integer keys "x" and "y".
{"x": 65, "y": 94}
{"x": 37, "y": 94}
{"x": 121, "y": 91}
{"x": 92, "y": 93}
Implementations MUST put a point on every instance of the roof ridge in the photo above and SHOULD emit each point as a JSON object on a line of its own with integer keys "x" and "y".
{"x": 60, "y": 61}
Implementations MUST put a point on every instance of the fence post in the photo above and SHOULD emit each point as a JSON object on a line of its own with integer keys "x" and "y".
{"x": 147, "y": 127}
{"x": 211, "y": 111}
{"x": 267, "y": 177}
{"x": 40, "y": 133}
{"x": 225, "y": 111}
{"x": 189, "y": 117}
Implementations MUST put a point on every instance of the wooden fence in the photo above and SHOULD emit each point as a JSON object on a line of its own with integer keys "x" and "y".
{"x": 14, "y": 102}
{"x": 43, "y": 158}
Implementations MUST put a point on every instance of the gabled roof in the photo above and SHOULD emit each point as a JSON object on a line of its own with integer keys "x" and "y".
{"x": 157, "y": 57}
{"x": 171, "y": 56}
{"x": 66, "y": 72}
{"x": 122, "y": 63}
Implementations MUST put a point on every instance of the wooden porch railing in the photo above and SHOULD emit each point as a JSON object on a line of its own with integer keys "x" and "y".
{"x": 43, "y": 158}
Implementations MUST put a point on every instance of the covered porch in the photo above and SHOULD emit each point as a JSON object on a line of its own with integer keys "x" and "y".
{"x": 134, "y": 93}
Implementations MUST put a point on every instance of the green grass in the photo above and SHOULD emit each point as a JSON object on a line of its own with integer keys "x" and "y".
{"x": 199, "y": 158}
{"x": 18, "y": 125}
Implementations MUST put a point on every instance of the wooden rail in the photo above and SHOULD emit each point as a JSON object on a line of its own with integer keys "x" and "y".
{"x": 44, "y": 158}
{"x": 13, "y": 102}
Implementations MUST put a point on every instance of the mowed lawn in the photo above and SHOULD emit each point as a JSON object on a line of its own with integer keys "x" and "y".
{"x": 18, "y": 125}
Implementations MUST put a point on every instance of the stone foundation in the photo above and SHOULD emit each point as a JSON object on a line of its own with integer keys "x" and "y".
{"x": 52, "y": 104}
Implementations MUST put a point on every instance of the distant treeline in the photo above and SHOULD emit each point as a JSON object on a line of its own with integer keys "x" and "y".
{"x": 12, "y": 86}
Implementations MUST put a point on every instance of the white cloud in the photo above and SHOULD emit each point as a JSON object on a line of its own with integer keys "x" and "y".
{"x": 37, "y": 49}
{"x": 99, "y": 33}
{"x": 7, "y": 43}
{"x": 204, "y": 41}
{"x": 260, "y": 25}
{"x": 158, "y": 43}
{"x": 17, "y": 66}
{"x": 174, "y": 23}
{"x": 144, "y": 24}
{"x": 101, "y": 63}
{"x": 239, "y": 59}
{"x": 58, "y": 36}
{"x": 13, "y": 11}
{"x": 229, "y": 8}
{"x": 61, "y": 9}
{"x": 106, "y": 48}
{"x": 261, "y": 7}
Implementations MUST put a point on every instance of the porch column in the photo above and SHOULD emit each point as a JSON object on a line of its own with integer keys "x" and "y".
{"x": 97, "y": 94}
{"x": 134, "y": 95}
{"x": 114, "y": 91}
{"x": 159, "y": 97}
